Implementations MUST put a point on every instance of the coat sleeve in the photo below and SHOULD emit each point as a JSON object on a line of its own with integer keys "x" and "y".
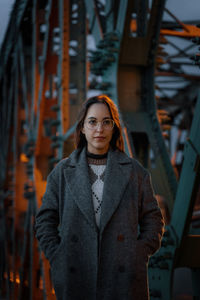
{"x": 47, "y": 219}
{"x": 151, "y": 221}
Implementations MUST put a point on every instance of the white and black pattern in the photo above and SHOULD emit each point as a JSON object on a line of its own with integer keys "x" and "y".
{"x": 97, "y": 174}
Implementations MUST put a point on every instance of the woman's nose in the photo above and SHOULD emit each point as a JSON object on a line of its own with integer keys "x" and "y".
{"x": 99, "y": 126}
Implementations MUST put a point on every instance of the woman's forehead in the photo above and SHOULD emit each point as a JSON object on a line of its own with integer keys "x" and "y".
{"x": 98, "y": 109}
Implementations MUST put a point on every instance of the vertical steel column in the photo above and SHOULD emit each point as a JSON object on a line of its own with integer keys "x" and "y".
{"x": 60, "y": 81}
{"x": 6, "y": 115}
{"x": 33, "y": 68}
{"x": 42, "y": 68}
{"x": 15, "y": 158}
{"x": 4, "y": 266}
{"x": 77, "y": 65}
{"x": 64, "y": 16}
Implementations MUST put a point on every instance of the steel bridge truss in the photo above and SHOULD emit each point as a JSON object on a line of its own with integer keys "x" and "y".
{"x": 57, "y": 53}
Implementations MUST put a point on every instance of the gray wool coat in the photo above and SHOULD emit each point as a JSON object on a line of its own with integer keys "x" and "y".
{"x": 109, "y": 263}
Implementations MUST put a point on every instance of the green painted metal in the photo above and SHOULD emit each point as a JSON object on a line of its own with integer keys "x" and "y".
{"x": 5, "y": 115}
{"x": 78, "y": 68}
{"x": 190, "y": 179}
{"x": 69, "y": 132}
{"x": 162, "y": 264}
{"x": 15, "y": 152}
{"x": 106, "y": 66}
{"x": 143, "y": 119}
{"x": 33, "y": 69}
{"x": 8, "y": 117}
{"x": 105, "y": 58}
{"x": 107, "y": 63}
{"x": 59, "y": 79}
{"x": 142, "y": 10}
{"x": 42, "y": 69}
{"x": 94, "y": 24}
{"x": 10, "y": 106}
{"x": 163, "y": 176}
{"x": 23, "y": 79}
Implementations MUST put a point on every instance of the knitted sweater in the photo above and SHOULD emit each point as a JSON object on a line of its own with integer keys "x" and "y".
{"x": 97, "y": 167}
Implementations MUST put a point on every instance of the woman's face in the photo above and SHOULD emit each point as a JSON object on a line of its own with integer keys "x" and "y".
{"x": 98, "y": 139}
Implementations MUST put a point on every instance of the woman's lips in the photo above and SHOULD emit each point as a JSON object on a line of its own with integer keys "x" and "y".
{"x": 99, "y": 137}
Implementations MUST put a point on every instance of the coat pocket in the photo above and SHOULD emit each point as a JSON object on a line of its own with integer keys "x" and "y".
{"x": 142, "y": 250}
{"x": 142, "y": 259}
{"x": 56, "y": 252}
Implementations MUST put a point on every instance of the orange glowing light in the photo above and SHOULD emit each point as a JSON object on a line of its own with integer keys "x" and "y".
{"x": 23, "y": 158}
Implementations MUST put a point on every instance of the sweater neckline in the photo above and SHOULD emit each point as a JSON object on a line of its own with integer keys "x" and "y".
{"x": 97, "y": 156}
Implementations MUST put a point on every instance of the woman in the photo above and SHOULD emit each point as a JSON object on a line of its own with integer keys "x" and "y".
{"x": 99, "y": 221}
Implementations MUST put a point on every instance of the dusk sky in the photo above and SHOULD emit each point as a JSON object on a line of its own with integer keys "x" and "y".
{"x": 5, "y": 8}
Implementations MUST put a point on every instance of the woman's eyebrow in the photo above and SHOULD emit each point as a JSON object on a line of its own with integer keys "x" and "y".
{"x": 92, "y": 118}
{"x": 96, "y": 118}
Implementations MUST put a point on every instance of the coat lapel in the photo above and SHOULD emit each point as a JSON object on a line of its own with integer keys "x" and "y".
{"x": 117, "y": 176}
{"x": 77, "y": 178}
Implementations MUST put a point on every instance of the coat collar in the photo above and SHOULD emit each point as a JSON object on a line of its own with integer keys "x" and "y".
{"x": 77, "y": 178}
{"x": 116, "y": 179}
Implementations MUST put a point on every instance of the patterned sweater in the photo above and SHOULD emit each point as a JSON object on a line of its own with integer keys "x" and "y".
{"x": 97, "y": 168}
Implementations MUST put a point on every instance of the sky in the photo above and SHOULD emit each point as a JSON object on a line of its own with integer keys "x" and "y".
{"x": 185, "y": 10}
{"x": 5, "y": 9}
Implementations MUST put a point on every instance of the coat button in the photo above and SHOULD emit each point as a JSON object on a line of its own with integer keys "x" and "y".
{"x": 72, "y": 270}
{"x": 74, "y": 238}
{"x": 120, "y": 237}
{"x": 121, "y": 269}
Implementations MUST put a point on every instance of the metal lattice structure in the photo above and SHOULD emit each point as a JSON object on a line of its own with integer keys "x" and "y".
{"x": 57, "y": 53}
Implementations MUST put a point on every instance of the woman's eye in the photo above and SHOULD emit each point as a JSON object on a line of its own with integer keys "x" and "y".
{"x": 92, "y": 122}
{"x": 107, "y": 122}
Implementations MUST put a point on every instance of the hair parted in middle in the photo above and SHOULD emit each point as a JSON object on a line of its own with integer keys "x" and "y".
{"x": 117, "y": 141}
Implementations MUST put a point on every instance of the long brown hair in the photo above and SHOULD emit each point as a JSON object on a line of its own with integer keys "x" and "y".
{"x": 117, "y": 141}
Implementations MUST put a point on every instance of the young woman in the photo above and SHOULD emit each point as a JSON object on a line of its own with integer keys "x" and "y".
{"x": 99, "y": 221}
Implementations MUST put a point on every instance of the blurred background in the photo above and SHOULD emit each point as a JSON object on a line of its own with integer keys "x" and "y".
{"x": 145, "y": 55}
